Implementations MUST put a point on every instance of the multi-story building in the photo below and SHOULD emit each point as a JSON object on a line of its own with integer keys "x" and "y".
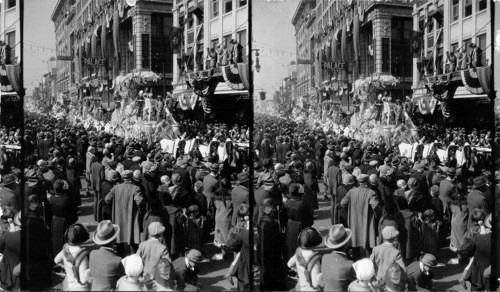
{"x": 205, "y": 25}
{"x": 10, "y": 26}
{"x": 98, "y": 40}
{"x": 443, "y": 27}
{"x": 348, "y": 40}
{"x": 303, "y": 20}
{"x": 497, "y": 56}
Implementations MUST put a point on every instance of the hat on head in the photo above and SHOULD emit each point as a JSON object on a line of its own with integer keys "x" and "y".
{"x": 364, "y": 268}
{"x": 268, "y": 205}
{"x": 136, "y": 159}
{"x": 362, "y": 178}
{"x": 156, "y": 228}
{"x": 390, "y": 233}
{"x": 401, "y": 183}
{"x": 158, "y": 158}
{"x": 76, "y": 234}
{"x": 133, "y": 265}
{"x": 338, "y": 236}
{"x": 419, "y": 166}
{"x": 373, "y": 178}
{"x": 279, "y": 167}
{"x": 147, "y": 166}
{"x": 434, "y": 190}
{"x": 127, "y": 174}
{"x": 243, "y": 177}
{"x": 113, "y": 175}
{"x": 214, "y": 167}
{"x": 479, "y": 181}
{"x": 8, "y": 179}
{"x": 412, "y": 183}
{"x": 348, "y": 179}
{"x": 429, "y": 260}
{"x": 396, "y": 161}
{"x": 137, "y": 175}
{"x": 451, "y": 171}
{"x": 395, "y": 277}
{"x": 194, "y": 256}
{"x": 164, "y": 273}
{"x": 106, "y": 232}
{"x": 373, "y": 163}
{"x": 176, "y": 179}
{"x": 309, "y": 238}
{"x": 386, "y": 170}
{"x": 198, "y": 186}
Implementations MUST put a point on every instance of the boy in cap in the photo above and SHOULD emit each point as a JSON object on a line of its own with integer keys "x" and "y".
{"x": 152, "y": 250}
{"x": 420, "y": 274}
{"x": 386, "y": 253}
{"x": 186, "y": 268}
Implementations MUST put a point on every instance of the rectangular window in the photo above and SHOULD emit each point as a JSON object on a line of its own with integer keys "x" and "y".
{"x": 215, "y": 43}
{"x": 481, "y": 5}
{"x": 465, "y": 45}
{"x": 454, "y": 10}
{"x": 454, "y": 48}
{"x": 241, "y": 3}
{"x": 385, "y": 54}
{"x": 11, "y": 41}
{"x": 215, "y": 8}
{"x": 481, "y": 43}
{"x": 467, "y": 8}
{"x": 10, "y": 4}
{"x": 228, "y": 6}
{"x": 241, "y": 37}
{"x": 145, "y": 51}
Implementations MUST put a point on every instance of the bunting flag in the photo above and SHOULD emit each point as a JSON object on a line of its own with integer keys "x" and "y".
{"x": 116, "y": 32}
{"x": 14, "y": 76}
{"x": 176, "y": 39}
{"x": 232, "y": 77}
{"x": 244, "y": 72}
{"x": 471, "y": 81}
{"x": 103, "y": 41}
{"x": 355, "y": 39}
{"x": 343, "y": 44}
{"x": 485, "y": 77}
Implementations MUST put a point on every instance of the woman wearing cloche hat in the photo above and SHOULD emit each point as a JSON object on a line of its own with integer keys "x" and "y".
{"x": 306, "y": 260}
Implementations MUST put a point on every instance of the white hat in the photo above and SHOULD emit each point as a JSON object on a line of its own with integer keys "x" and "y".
{"x": 133, "y": 265}
{"x": 364, "y": 269}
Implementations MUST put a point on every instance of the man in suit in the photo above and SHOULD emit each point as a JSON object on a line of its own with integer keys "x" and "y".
{"x": 184, "y": 174}
{"x": 386, "y": 253}
{"x": 334, "y": 179}
{"x": 419, "y": 167}
{"x": 7, "y": 196}
{"x": 89, "y": 159}
{"x": 211, "y": 183}
{"x": 104, "y": 264}
{"x": 127, "y": 204}
{"x": 186, "y": 268}
{"x": 281, "y": 150}
{"x": 447, "y": 187}
{"x": 152, "y": 250}
{"x": 240, "y": 194}
{"x": 336, "y": 268}
{"x": 476, "y": 198}
{"x": 97, "y": 177}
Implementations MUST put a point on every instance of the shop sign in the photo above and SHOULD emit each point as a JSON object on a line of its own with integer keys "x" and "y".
{"x": 94, "y": 61}
{"x": 64, "y": 58}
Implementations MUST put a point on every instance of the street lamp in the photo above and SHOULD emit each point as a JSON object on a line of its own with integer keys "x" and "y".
{"x": 257, "y": 64}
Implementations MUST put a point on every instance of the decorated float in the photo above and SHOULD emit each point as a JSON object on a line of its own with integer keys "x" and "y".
{"x": 376, "y": 117}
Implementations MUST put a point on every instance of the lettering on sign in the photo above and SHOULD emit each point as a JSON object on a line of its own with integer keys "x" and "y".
{"x": 94, "y": 62}
{"x": 299, "y": 61}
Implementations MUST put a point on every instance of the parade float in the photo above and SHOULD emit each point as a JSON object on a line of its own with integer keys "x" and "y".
{"x": 376, "y": 117}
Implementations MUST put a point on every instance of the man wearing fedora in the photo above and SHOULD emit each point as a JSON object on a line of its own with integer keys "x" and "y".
{"x": 385, "y": 254}
{"x": 97, "y": 176}
{"x": 240, "y": 194}
{"x": 447, "y": 186}
{"x": 187, "y": 269}
{"x": 420, "y": 275}
{"x": 210, "y": 182}
{"x": 336, "y": 267}
{"x": 477, "y": 198}
{"x": 348, "y": 182}
{"x": 334, "y": 179}
{"x": 104, "y": 210}
{"x": 127, "y": 204}
{"x": 418, "y": 174}
{"x": 181, "y": 170}
{"x": 363, "y": 208}
{"x": 104, "y": 264}
{"x": 7, "y": 196}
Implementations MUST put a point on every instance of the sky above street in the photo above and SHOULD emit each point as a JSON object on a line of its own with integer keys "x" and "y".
{"x": 38, "y": 40}
{"x": 274, "y": 34}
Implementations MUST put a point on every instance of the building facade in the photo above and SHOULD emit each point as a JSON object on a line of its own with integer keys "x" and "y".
{"x": 349, "y": 40}
{"x": 303, "y": 20}
{"x": 206, "y": 25}
{"x": 454, "y": 27}
{"x": 97, "y": 41}
{"x": 10, "y": 26}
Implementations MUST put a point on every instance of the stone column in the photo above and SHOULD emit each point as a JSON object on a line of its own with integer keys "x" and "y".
{"x": 175, "y": 14}
{"x": 416, "y": 27}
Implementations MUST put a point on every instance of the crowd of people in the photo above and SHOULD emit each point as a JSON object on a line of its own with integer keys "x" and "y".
{"x": 391, "y": 217}
{"x": 154, "y": 211}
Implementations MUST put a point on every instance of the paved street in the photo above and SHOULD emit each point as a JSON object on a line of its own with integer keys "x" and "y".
{"x": 212, "y": 270}
{"x": 446, "y": 275}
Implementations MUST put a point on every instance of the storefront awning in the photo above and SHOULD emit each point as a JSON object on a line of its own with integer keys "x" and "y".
{"x": 485, "y": 76}
{"x": 223, "y": 88}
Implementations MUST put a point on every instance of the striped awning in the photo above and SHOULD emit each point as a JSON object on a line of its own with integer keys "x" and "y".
{"x": 232, "y": 77}
{"x": 471, "y": 81}
{"x": 485, "y": 77}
